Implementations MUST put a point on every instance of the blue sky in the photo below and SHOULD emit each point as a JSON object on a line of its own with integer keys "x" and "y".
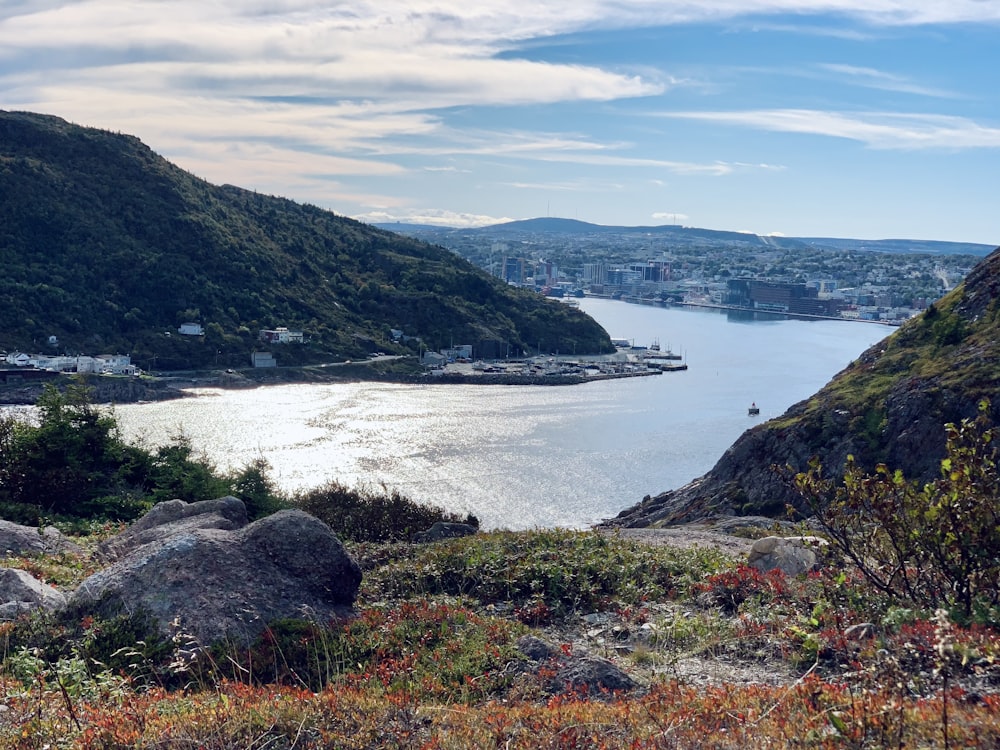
{"x": 848, "y": 118}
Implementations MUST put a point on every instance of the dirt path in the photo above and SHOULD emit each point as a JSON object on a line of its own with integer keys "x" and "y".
{"x": 687, "y": 537}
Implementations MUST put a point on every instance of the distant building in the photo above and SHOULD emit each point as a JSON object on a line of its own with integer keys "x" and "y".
{"x": 262, "y": 359}
{"x": 595, "y": 273}
{"x": 191, "y": 329}
{"x": 513, "y": 270}
{"x": 433, "y": 359}
{"x": 458, "y": 352}
{"x": 780, "y": 297}
{"x": 105, "y": 364}
{"x": 281, "y": 335}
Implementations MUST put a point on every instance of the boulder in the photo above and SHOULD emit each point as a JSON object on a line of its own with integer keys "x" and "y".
{"x": 212, "y": 584}
{"x": 31, "y": 540}
{"x": 792, "y": 555}
{"x": 592, "y": 676}
{"x": 567, "y": 670}
{"x": 21, "y": 592}
{"x": 443, "y": 530}
{"x": 174, "y": 517}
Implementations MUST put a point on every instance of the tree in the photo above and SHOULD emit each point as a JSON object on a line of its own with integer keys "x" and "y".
{"x": 255, "y": 487}
{"x": 72, "y": 462}
{"x": 928, "y": 546}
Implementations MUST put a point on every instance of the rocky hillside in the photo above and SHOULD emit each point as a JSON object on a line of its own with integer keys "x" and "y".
{"x": 888, "y": 406}
{"x": 108, "y": 247}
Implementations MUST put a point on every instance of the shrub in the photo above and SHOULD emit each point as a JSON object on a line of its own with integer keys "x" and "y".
{"x": 562, "y": 570}
{"x": 254, "y": 486}
{"x": 368, "y": 515}
{"x": 930, "y": 546}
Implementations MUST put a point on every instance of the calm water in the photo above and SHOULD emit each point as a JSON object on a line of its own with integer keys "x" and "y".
{"x": 518, "y": 456}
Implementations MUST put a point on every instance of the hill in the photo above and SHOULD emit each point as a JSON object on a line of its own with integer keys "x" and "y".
{"x": 889, "y": 406}
{"x": 683, "y": 235}
{"x": 109, "y": 248}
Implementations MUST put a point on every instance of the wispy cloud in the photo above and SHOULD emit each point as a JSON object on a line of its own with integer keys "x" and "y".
{"x": 587, "y": 186}
{"x": 299, "y": 97}
{"x": 875, "y": 129}
{"x": 883, "y": 80}
{"x": 427, "y": 216}
{"x": 673, "y": 218}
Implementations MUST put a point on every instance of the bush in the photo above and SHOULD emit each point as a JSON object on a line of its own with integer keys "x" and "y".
{"x": 565, "y": 570}
{"x": 367, "y": 515}
{"x": 73, "y": 466}
{"x": 254, "y": 486}
{"x": 928, "y": 546}
{"x": 73, "y": 463}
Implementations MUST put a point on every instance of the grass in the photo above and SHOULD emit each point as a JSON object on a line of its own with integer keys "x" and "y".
{"x": 432, "y": 661}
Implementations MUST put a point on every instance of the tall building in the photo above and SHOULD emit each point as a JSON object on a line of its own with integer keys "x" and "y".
{"x": 513, "y": 270}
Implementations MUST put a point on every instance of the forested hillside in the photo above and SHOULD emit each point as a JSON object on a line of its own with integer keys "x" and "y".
{"x": 109, "y": 247}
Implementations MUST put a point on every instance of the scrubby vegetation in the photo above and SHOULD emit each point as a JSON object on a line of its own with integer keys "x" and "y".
{"x": 928, "y": 545}
{"x": 724, "y": 656}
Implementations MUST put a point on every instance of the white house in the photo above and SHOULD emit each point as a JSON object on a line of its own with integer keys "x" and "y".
{"x": 191, "y": 329}
{"x": 281, "y": 335}
{"x": 116, "y": 364}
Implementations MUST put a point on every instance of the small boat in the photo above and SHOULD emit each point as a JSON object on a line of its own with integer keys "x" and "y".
{"x": 754, "y": 410}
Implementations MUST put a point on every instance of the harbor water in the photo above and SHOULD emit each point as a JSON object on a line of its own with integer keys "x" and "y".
{"x": 525, "y": 456}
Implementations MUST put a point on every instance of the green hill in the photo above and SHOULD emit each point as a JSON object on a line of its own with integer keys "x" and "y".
{"x": 889, "y": 406}
{"x": 109, "y": 247}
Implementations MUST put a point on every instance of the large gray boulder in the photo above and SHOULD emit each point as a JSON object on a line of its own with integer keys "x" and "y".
{"x": 214, "y": 584}
{"x": 31, "y": 540}
{"x": 791, "y": 555}
{"x": 21, "y": 592}
{"x": 175, "y": 517}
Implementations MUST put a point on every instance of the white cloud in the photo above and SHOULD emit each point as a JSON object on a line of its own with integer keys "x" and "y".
{"x": 582, "y": 186}
{"x": 280, "y": 95}
{"x": 429, "y": 216}
{"x": 673, "y": 218}
{"x": 876, "y": 129}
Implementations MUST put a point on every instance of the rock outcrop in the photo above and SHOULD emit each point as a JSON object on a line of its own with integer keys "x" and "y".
{"x": 889, "y": 406}
{"x": 791, "y": 555}
{"x": 574, "y": 671}
{"x": 31, "y": 540}
{"x": 174, "y": 517}
{"x": 209, "y": 584}
{"x": 21, "y": 592}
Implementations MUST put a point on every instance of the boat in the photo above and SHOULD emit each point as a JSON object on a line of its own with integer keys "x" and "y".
{"x": 653, "y": 351}
{"x": 754, "y": 410}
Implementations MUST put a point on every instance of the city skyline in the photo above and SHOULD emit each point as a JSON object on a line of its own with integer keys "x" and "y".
{"x": 874, "y": 119}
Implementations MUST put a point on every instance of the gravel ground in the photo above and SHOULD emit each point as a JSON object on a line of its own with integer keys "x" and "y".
{"x": 687, "y": 537}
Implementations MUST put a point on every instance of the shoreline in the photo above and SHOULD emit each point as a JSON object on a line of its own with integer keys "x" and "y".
{"x": 110, "y": 389}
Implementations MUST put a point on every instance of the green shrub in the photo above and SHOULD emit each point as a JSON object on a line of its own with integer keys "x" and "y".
{"x": 927, "y": 546}
{"x": 368, "y": 515}
{"x": 126, "y": 644}
{"x": 438, "y": 651}
{"x": 254, "y": 486}
{"x": 565, "y": 570}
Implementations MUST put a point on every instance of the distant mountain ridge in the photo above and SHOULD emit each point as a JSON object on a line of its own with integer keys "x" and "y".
{"x": 107, "y": 247}
{"x": 555, "y": 225}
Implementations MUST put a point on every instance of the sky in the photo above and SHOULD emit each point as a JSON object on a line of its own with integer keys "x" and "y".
{"x": 869, "y": 119}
